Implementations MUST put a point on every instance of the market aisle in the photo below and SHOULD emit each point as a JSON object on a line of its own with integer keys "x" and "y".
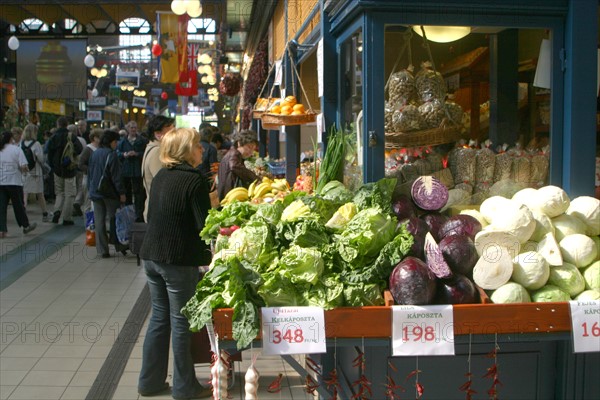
{"x": 62, "y": 311}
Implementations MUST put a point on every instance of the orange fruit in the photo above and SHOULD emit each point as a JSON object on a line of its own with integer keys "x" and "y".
{"x": 299, "y": 107}
{"x": 291, "y": 100}
{"x": 275, "y": 109}
{"x": 297, "y": 113}
{"x": 285, "y": 112}
{"x": 287, "y": 109}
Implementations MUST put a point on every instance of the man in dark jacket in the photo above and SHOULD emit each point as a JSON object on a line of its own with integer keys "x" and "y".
{"x": 131, "y": 151}
{"x": 64, "y": 173}
{"x": 232, "y": 171}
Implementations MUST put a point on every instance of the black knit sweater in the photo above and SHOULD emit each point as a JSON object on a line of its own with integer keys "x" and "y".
{"x": 177, "y": 209}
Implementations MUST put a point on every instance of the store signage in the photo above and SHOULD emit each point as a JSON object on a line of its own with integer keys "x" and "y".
{"x": 293, "y": 330}
{"x": 585, "y": 320}
{"x": 50, "y": 107}
{"x": 97, "y": 101}
{"x": 94, "y": 115}
{"x": 422, "y": 330}
{"x": 139, "y": 102}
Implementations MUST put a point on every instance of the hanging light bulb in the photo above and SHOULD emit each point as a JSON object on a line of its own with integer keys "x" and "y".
{"x": 193, "y": 8}
{"x": 135, "y": 110}
{"x": 123, "y": 88}
{"x": 99, "y": 49}
{"x": 204, "y": 80}
{"x": 211, "y": 80}
{"x": 94, "y": 71}
{"x": 95, "y": 92}
{"x": 205, "y": 59}
{"x": 178, "y": 7}
{"x": 13, "y": 43}
{"x": 89, "y": 61}
{"x": 127, "y": 111}
{"x": 443, "y": 34}
{"x": 143, "y": 111}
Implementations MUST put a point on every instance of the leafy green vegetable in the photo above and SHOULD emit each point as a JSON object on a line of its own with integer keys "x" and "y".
{"x": 255, "y": 243}
{"x": 321, "y": 208}
{"x": 296, "y": 210}
{"x": 335, "y": 190}
{"x": 376, "y": 194}
{"x": 278, "y": 290}
{"x": 364, "y": 236}
{"x": 342, "y": 216}
{"x": 302, "y": 265}
{"x": 269, "y": 212}
{"x": 327, "y": 294}
{"x": 333, "y": 161}
{"x": 363, "y": 294}
{"x": 391, "y": 254}
{"x": 235, "y": 213}
{"x": 305, "y": 233}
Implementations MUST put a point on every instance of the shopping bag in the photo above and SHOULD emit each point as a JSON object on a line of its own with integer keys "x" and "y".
{"x": 124, "y": 218}
{"x": 90, "y": 229}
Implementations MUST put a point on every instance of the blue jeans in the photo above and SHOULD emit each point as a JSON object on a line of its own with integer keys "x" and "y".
{"x": 170, "y": 288}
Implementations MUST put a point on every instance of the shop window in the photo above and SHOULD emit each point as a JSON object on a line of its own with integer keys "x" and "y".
{"x": 68, "y": 26}
{"x": 352, "y": 96}
{"x": 202, "y": 29}
{"x": 449, "y": 105}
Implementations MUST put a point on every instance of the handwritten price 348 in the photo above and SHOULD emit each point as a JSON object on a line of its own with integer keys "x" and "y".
{"x": 288, "y": 336}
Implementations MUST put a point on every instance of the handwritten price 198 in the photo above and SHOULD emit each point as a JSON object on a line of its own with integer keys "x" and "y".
{"x": 418, "y": 334}
{"x": 296, "y": 337}
{"x": 595, "y": 330}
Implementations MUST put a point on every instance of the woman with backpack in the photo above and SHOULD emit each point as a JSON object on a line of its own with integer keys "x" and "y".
{"x": 34, "y": 180}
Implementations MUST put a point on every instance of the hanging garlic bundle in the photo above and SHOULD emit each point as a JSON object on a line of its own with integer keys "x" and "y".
{"x": 218, "y": 373}
{"x": 251, "y": 381}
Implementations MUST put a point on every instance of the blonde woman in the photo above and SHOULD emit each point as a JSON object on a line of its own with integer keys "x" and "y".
{"x": 172, "y": 251}
{"x": 34, "y": 180}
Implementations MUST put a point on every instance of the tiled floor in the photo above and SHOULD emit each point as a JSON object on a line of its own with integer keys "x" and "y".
{"x": 60, "y": 319}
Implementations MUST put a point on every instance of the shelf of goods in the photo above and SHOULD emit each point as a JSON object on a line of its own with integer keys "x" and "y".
{"x": 476, "y": 319}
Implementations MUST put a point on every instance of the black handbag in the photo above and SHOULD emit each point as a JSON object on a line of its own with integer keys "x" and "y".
{"x": 106, "y": 188}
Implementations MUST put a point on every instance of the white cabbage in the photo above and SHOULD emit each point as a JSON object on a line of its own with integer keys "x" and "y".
{"x": 552, "y": 200}
{"x": 530, "y": 270}
{"x": 587, "y": 210}
{"x": 578, "y": 249}
{"x": 510, "y": 293}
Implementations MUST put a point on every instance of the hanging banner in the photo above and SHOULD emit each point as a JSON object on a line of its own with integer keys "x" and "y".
{"x": 172, "y": 37}
{"x": 188, "y": 71}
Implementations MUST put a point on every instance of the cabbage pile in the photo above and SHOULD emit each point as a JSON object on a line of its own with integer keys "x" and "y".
{"x": 328, "y": 251}
{"x": 551, "y": 242}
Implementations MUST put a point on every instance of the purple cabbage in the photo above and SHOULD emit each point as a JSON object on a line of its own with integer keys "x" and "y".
{"x": 435, "y": 221}
{"x": 460, "y": 254}
{"x": 403, "y": 207}
{"x": 435, "y": 258}
{"x": 418, "y": 229}
{"x": 411, "y": 282}
{"x": 460, "y": 225}
{"x": 429, "y": 193}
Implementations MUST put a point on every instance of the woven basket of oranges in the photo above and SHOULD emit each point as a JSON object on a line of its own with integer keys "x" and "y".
{"x": 262, "y": 104}
{"x": 287, "y": 111}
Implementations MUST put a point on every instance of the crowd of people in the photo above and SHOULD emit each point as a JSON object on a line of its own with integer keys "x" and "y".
{"x": 166, "y": 173}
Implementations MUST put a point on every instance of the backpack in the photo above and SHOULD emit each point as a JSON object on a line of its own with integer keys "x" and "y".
{"x": 68, "y": 155}
{"x": 29, "y": 155}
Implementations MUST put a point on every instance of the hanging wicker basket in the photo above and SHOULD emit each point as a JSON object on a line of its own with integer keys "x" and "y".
{"x": 262, "y": 104}
{"x": 279, "y": 119}
{"x": 447, "y": 132}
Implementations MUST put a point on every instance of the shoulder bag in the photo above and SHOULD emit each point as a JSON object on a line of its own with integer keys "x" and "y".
{"x": 106, "y": 187}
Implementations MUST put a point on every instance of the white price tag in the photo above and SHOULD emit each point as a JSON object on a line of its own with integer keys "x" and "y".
{"x": 293, "y": 330}
{"x": 278, "y": 74}
{"x": 422, "y": 330}
{"x": 585, "y": 318}
{"x": 320, "y": 124}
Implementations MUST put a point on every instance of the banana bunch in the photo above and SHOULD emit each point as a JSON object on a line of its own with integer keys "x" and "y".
{"x": 267, "y": 188}
{"x": 239, "y": 194}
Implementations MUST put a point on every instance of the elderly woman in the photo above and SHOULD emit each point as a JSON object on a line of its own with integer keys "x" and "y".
{"x": 13, "y": 165}
{"x": 105, "y": 161}
{"x": 171, "y": 252}
{"x": 232, "y": 171}
{"x": 157, "y": 127}
{"x": 34, "y": 180}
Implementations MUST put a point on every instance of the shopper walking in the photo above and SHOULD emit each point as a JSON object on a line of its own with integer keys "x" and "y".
{"x": 105, "y": 161}
{"x": 64, "y": 167}
{"x": 84, "y": 162}
{"x": 209, "y": 154}
{"x": 157, "y": 127}
{"x": 34, "y": 179}
{"x": 13, "y": 165}
{"x": 79, "y": 189}
{"x": 172, "y": 252}
{"x": 131, "y": 150}
{"x": 232, "y": 171}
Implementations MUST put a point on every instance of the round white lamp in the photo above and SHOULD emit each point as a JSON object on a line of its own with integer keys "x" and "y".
{"x": 178, "y": 7}
{"x": 89, "y": 61}
{"x": 13, "y": 43}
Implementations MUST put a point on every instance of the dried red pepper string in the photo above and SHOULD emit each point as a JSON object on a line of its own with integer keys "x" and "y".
{"x": 275, "y": 386}
{"x": 333, "y": 384}
{"x": 492, "y": 372}
{"x": 466, "y": 387}
{"x": 390, "y": 389}
{"x": 419, "y": 388}
{"x": 313, "y": 366}
{"x": 311, "y": 385}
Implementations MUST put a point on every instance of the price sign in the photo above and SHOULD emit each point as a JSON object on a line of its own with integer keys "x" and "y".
{"x": 422, "y": 330}
{"x": 585, "y": 320}
{"x": 293, "y": 330}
